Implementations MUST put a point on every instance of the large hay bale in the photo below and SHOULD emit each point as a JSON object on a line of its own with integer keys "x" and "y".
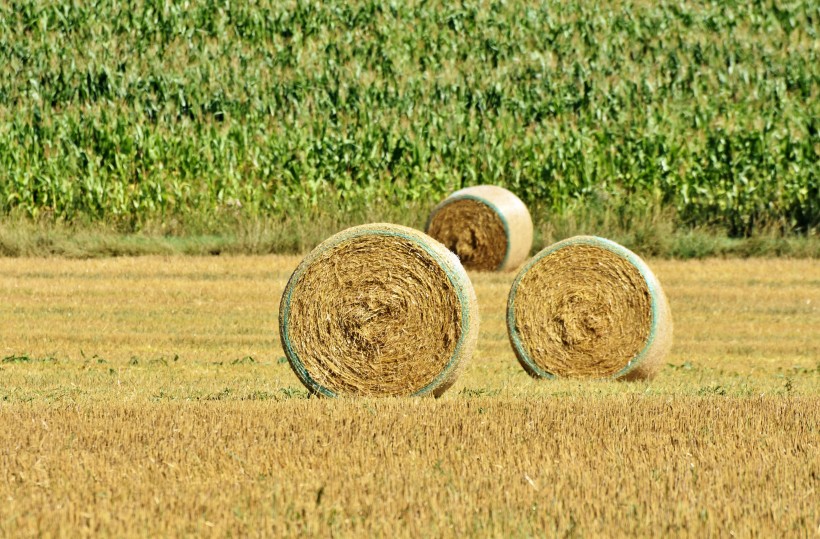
{"x": 587, "y": 307}
{"x": 488, "y": 227}
{"x": 378, "y": 309}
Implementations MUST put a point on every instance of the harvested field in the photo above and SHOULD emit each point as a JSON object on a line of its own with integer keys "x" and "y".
{"x": 145, "y": 396}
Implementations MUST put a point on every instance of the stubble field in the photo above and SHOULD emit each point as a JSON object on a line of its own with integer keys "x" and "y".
{"x": 149, "y": 396}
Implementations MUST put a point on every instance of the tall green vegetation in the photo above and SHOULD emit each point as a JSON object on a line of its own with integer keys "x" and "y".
{"x": 172, "y": 113}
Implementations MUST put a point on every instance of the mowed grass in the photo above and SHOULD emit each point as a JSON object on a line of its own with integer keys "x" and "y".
{"x": 150, "y": 396}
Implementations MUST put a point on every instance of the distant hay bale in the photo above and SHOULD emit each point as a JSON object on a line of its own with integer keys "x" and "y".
{"x": 487, "y": 226}
{"x": 587, "y": 307}
{"x": 378, "y": 309}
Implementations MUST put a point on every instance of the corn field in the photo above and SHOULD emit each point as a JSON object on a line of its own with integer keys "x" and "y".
{"x": 158, "y": 110}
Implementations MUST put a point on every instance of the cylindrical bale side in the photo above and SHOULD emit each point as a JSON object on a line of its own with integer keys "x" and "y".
{"x": 487, "y": 226}
{"x": 587, "y": 307}
{"x": 378, "y": 310}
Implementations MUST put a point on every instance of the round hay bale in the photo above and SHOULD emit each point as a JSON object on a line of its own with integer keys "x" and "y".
{"x": 379, "y": 310}
{"x": 587, "y": 307}
{"x": 488, "y": 227}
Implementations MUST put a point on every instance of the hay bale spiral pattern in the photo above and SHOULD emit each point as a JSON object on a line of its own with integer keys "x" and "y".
{"x": 487, "y": 226}
{"x": 378, "y": 310}
{"x": 587, "y": 307}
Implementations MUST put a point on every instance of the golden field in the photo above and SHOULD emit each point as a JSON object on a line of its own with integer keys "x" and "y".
{"x": 150, "y": 396}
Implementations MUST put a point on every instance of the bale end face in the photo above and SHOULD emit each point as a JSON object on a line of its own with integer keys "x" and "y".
{"x": 488, "y": 227}
{"x": 587, "y": 307}
{"x": 378, "y": 310}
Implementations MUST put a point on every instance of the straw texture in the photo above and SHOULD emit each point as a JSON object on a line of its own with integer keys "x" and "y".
{"x": 487, "y": 226}
{"x": 379, "y": 310}
{"x": 587, "y": 307}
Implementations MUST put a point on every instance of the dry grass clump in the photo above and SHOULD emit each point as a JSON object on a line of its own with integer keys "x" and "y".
{"x": 587, "y": 307}
{"x": 378, "y": 310}
{"x": 487, "y": 226}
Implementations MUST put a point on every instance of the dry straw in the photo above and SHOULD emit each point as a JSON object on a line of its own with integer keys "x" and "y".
{"x": 378, "y": 309}
{"x": 587, "y": 307}
{"x": 488, "y": 227}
